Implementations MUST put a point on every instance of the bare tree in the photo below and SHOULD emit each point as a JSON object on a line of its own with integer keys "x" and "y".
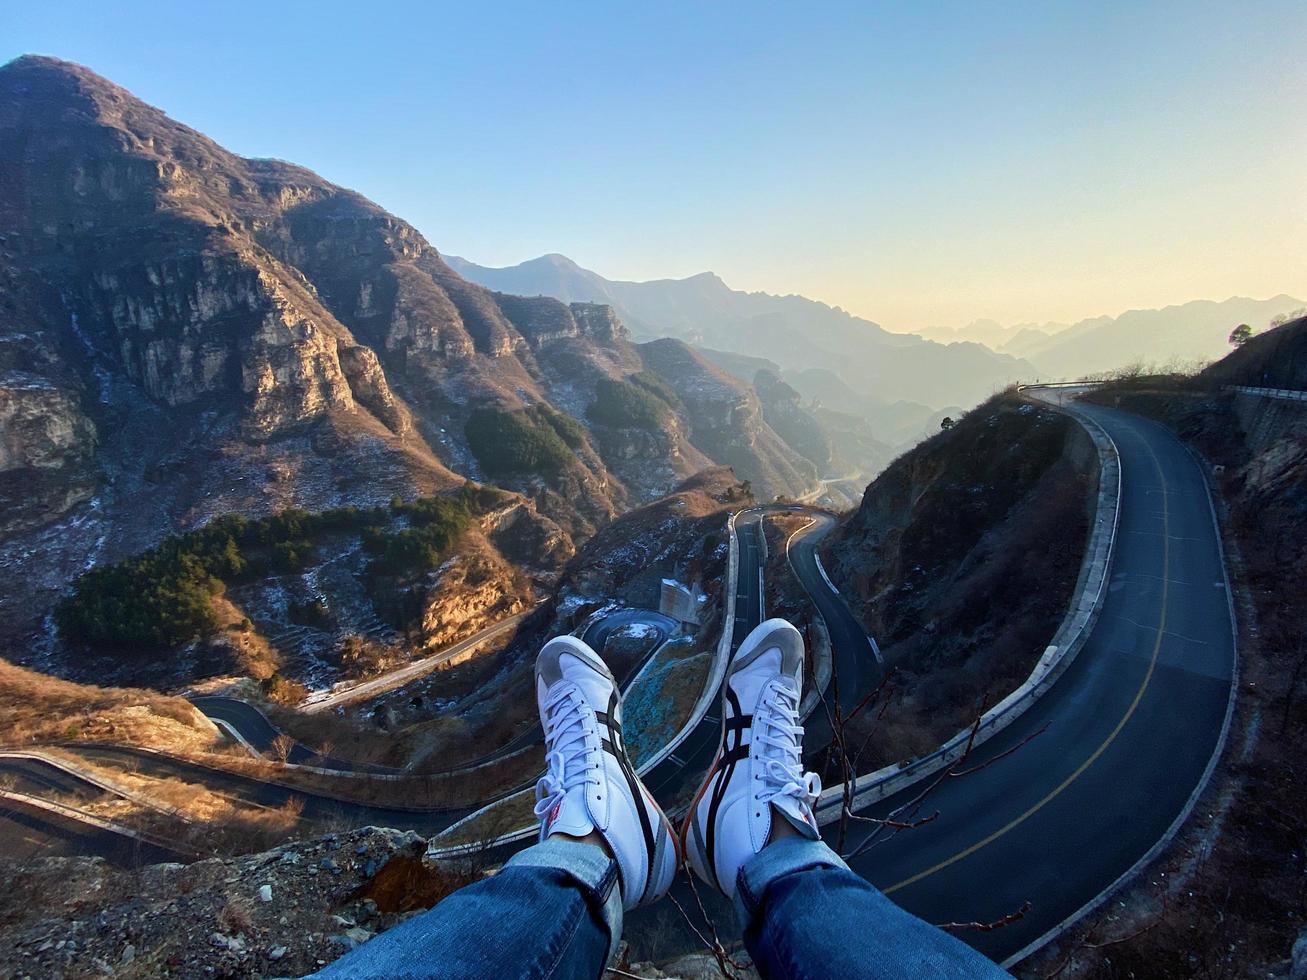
{"x": 281, "y": 747}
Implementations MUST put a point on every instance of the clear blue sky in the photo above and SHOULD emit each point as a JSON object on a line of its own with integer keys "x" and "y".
{"x": 917, "y": 163}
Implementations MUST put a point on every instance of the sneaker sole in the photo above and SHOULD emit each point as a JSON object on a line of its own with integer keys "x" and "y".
{"x": 667, "y": 874}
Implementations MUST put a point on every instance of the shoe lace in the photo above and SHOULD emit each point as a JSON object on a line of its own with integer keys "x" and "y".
{"x": 782, "y": 771}
{"x": 568, "y": 742}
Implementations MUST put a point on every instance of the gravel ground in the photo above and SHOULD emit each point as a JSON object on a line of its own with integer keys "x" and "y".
{"x": 285, "y": 912}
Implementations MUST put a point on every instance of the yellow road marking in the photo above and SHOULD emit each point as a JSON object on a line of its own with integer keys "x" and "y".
{"x": 1139, "y": 695}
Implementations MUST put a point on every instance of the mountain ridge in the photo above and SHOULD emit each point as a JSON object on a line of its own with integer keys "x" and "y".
{"x": 1054, "y": 347}
{"x": 796, "y": 332}
{"x": 185, "y": 333}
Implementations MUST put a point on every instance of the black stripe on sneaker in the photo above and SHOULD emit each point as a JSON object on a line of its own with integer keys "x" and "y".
{"x": 731, "y": 754}
{"x": 614, "y": 747}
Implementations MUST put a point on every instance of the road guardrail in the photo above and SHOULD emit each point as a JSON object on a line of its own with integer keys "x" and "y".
{"x": 1057, "y": 657}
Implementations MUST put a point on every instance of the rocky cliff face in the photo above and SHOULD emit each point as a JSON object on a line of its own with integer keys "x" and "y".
{"x": 783, "y": 409}
{"x": 727, "y": 424}
{"x": 185, "y": 332}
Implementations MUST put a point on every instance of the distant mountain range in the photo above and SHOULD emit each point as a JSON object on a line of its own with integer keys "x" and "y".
{"x": 796, "y": 333}
{"x": 993, "y": 334}
{"x": 936, "y": 367}
{"x": 1181, "y": 334}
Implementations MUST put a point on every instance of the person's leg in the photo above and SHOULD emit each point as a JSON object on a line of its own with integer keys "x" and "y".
{"x": 555, "y": 910}
{"x": 805, "y": 914}
{"x": 752, "y": 833}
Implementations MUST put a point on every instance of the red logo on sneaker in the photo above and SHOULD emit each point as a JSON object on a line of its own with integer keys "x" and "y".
{"x": 553, "y": 814}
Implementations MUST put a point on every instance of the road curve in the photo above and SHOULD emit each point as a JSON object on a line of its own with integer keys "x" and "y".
{"x": 1131, "y": 726}
{"x": 266, "y": 793}
{"x": 676, "y": 776}
{"x": 1128, "y": 734}
{"x": 37, "y": 831}
{"x": 397, "y": 678}
{"x": 31, "y": 831}
{"x": 857, "y": 662}
{"x": 256, "y": 730}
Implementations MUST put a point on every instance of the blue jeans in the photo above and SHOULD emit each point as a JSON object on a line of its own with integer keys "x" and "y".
{"x": 555, "y": 911}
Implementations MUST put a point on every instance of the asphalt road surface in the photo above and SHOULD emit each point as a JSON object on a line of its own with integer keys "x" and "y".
{"x": 679, "y": 775}
{"x": 37, "y": 778}
{"x": 30, "y": 832}
{"x": 256, "y": 729}
{"x": 397, "y": 678}
{"x": 255, "y": 792}
{"x": 1131, "y": 727}
{"x": 857, "y": 666}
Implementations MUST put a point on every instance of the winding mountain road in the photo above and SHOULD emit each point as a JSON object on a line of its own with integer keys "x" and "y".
{"x": 258, "y": 732}
{"x": 858, "y": 666}
{"x": 678, "y": 775}
{"x": 1119, "y": 747}
{"x": 31, "y": 831}
{"x": 1132, "y": 727}
{"x": 401, "y": 676}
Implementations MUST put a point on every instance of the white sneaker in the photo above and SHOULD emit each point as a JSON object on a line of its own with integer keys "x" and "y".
{"x": 758, "y": 771}
{"x": 590, "y": 784}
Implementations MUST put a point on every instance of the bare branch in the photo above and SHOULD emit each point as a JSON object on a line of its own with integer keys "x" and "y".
{"x": 1006, "y": 920}
{"x": 954, "y": 772}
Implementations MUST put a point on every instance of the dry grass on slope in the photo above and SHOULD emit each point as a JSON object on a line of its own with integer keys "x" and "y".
{"x": 35, "y": 707}
{"x": 961, "y": 561}
{"x": 680, "y": 534}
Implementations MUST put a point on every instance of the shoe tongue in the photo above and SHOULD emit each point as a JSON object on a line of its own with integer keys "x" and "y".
{"x": 595, "y": 686}
{"x": 570, "y": 815}
{"x": 749, "y": 682}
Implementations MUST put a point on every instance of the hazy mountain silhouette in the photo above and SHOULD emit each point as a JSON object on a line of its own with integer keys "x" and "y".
{"x": 1187, "y": 332}
{"x": 795, "y": 332}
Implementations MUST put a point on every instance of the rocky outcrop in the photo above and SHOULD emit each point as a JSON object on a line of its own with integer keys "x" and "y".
{"x": 244, "y": 335}
{"x": 46, "y": 448}
{"x": 281, "y": 912}
{"x": 599, "y": 322}
{"x": 367, "y": 382}
{"x": 802, "y": 431}
{"x": 525, "y": 536}
{"x": 41, "y": 426}
{"x": 544, "y": 321}
{"x": 473, "y": 590}
{"x": 726, "y": 422}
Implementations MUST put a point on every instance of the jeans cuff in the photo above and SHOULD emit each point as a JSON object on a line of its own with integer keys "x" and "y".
{"x": 589, "y": 867}
{"x": 778, "y": 859}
